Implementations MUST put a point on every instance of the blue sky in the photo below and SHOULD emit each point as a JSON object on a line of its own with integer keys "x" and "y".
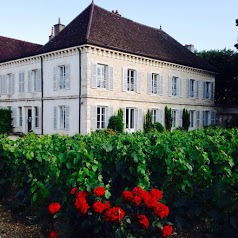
{"x": 207, "y": 24}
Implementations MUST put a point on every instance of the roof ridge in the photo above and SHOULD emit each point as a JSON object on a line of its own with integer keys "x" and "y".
{"x": 90, "y": 20}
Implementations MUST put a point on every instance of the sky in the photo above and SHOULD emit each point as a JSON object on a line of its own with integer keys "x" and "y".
{"x": 207, "y": 24}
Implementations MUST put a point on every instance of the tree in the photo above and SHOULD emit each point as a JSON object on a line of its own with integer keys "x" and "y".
{"x": 185, "y": 119}
{"x": 226, "y": 62}
{"x": 168, "y": 118}
{"x": 148, "y": 125}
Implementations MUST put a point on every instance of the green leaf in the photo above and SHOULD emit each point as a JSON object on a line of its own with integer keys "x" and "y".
{"x": 94, "y": 168}
{"x": 107, "y": 194}
{"x": 107, "y": 147}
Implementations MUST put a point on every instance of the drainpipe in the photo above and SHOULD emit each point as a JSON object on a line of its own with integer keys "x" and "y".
{"x": 42, "y": 95}
{"x": 80, "y": 85}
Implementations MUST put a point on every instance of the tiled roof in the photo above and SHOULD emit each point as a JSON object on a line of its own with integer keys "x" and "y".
{"x": 11, "y": 49}
{"x": 100, "y": 27}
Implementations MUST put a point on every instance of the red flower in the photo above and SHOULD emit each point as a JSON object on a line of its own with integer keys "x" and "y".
{"x": 53, "y": 234}
{"x": 156, "y": 193}
{"x": 73, "y": 191}
{"x": 127, "y": 196}
{"x": 143, "y": 220}
{"x": 114, "y": 214}
{"x": 167, "y": 230}
{"x": 81, "y": 205}
{"x": 99, "y": 207}
{"x": 137, "y": 200}
{"x": 107, "y": 205}
{"x": 54, "y": 207}
{"x": 82, "y": 194}
{"x": 99, "y": 191}
{"x": 161, "y": 210}
{"x": 150, "y": 202}
{"x": 137, "y": 191}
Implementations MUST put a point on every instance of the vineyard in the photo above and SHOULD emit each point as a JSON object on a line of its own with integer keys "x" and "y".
{"x": 197, "y": 170}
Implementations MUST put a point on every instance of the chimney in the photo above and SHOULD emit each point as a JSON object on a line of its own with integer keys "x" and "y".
{"x": 190, "y": 47}
{"x": 116, "y": 13}
{"x": 58, "y": 28}
{"x": 51, "y": 34}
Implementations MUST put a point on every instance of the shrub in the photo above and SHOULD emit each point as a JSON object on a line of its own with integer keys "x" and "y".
{"x": 168, "y": 118}
{"x": 148, "y": 125}
{"x": 185, "y": 119}
{"x": 5, "y": 121}
{"x": 158, "y": 127}
{"x": 116, "y": 124}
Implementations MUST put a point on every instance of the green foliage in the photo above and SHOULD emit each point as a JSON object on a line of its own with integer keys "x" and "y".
{"x": 168, "y": 118}
{"x": 5, "y": 120}
{"x": 158, "y": 127}
{"x": 185, "y": 119}
{"x": 148, "y": 125}
{"x": 226, "y": 62}
{"x": 116, "y": 124}
{"x": 120, "y": 113}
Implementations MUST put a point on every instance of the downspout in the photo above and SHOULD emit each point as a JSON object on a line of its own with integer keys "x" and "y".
{"x": 42, "y": 95}
{"x": 80, "y": 88}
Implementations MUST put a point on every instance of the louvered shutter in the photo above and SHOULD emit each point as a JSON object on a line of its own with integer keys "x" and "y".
{"x": 170, "y": 86}
{"x": 23, "y": 82}
{"x": 110, "y": 78}
{"x": 0, "y": 84}
{"x": 109, "y": 114}
{"x": 55, "y": 78}
{"x": 67, "y": 118}
{"x": 55, "y": 118}
{"x": 213, "y": 118}
{"x": 14, "y": 117}
{"x": 40, "y": 119}
{"x": 203, "y": 118}
{"x": 180, "y": 93}
{"x": 139, "y": 119}
{"x": 124, "y": 79}
{"x": 212, "y": 91}
{"x": 4, "y": 85}
{"x": 29, "y": 81}
{"x": 38, "y": 80}
{"x": 124, "y": 117}
{"x": 198, "y": 119}
{"x": 188, "y": 88}
{"x": 94, "y": 76}
{"x": 149, "y": 83}
{"x": 204, "y": 89}
{"x": 67, "y": 76}
{"x": 138, "y": 81}
{"x": 180, "y": 112}
{"x": 197, "y": 89}
{"x": 160, "y": 91}
{"x": 13, "y": 83}
{"x": 93, "y": 118}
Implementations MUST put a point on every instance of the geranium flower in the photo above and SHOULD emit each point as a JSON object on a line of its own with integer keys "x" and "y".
{"x": 81, "y": 205}
{"x": 99, "y": 207}
{"x": 143, "y": 220}
{"x": 114, "y": 214}
{"x": 127, "y": 196}
{"x": 82, "y": 194}
{"x": 54, "y": 207}
{"x": 53, "y": 234}
{"x": 161, "y": 210}
{"x": 99, "y": 191}
{"x": 156, "y": 193}
{"x": 167, "y": 230}
{"x": 73, "y": 191}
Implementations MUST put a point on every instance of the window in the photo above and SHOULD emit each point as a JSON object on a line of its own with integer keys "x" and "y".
{"x": 101, "y": 117}
{"x": 192, "y": 88}
{"x": 11, "y": 83}
{"x": 102, "y": 76}
{"x": 37, "y": 118}
{"x": 177, "y": 118}
{"x": 34, "y": 80}
{"x": 208, "y": 90}
{"x": 175, "y": 87}
{"x": 192, "y": 119}
{"x": 130, "y": 118}
{"x": 198, "y": 119}
{"x": 61, "y": 118}
{"x": 61, "y": 77}
{"x": 131, "y": 80}
{"x": 156, "y": 115}
{"x": 3, "y": 85}
{"x": 21, "y": 82}
{"x": 155, "y": 84}
{"x": 20, "y": 115}
{"x": 174, "y": 118}
{"x": 206, "y": 118}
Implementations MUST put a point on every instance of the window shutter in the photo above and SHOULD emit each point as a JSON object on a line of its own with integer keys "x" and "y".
{"x": 180, "y": 112}
{"x": 160, "y": 84}
{"x": 94, "y": 76}
{"x": 212, "y": 91}
{"x": 67, "y": 118}
{"x": 138, "y": 81}
{"x": 4, "y": 85}
{"x": 109, "y": 114}
{"x": 188, "y": 88}
{"x": 198, "y": 119}
{"x": 29, "y": 81}
{"x": 139, "y": 119}
{"x": 93, "y": 118}
{"x": 0, "y": 84}
{"x": 180, "y": 93}
{"x": 13, "y": 83}
{"x": 38, "y": 80}
{"x": 23, "y": 82}
{"x": 67, "y": 76}
{"x": 149, "y": 83}
{"x": 124, "y": 117}
{"x": 55, "y": 78}
{"x": 124, "y": 79}
{"x": 14, "y": 116}
{"x": 197, "y": 88}
{"x": 203, "y": 118}
{"x": 213, "y": 118}
{"x": 55, "y": 118}
{"x": 39, "y": 113}
{"x": 170, "y": 86}
{"x": 204, "y": 89}
{"x": 110, "y": 78}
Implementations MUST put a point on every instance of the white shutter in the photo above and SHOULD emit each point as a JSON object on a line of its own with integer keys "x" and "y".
{"x": 160, "y": 116}
{"x": 110, "y": 78}
{"x": 160, "y": 84}
{"x": 55, "y": 118}
{"x": 4, "y": 85}
{"x": 67, "y": 118}
{"x": 38, "y": 80}
{"x": 14, "y": 117}
{"x": 197, "y": 89}
{"x": 124, "y": 79}
{"x": 23, "y": 82}
{"x": 139, "y": 119}
{"x": 180, "y": 112}
{"x": 213, "y": 117}
{"x": 94, "y": 76}
{"x": 0, "y": 84}
{"x": 67, "y": 76}
{"x": 93, "y": 118}
{"x": 180, "y": 87}
{"x": 109, "y": 114}
{"x": 29, "y": 81}
{"x": 212, "y": 91}
{"x": 198, "y": 119}
{"x": 149, "y": 83}
{"x": 204, "y": 89}
{"x": 170, "y": 86}
{"x": 39, "y": 113}
{"x": 55, "y": 78}
{"x": 203, "y": 118}
{"x": 13, "y": 83}
{"x": 138, "y": 81}
{"x": 124, "y": 117}
{"x": 188, "y": 88}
